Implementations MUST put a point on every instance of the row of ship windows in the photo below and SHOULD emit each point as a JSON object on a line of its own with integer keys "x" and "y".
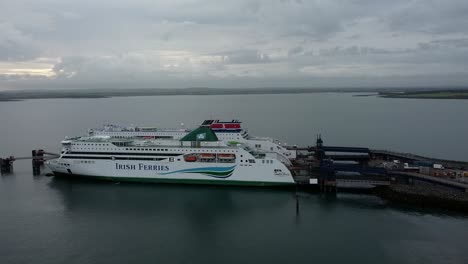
{"x": 173, "y": 150}
{"x": 98, "y": 148}
{"x": 97, "y": 144}
{"x": 131, "y": 133}
{"x": 87, "y": 161}
{"x": 89, "y": 144}
{"x": 253, "y": 161}
{"x": 130, "y": 136}
{"x": 178, "y": 134}
{"x": 145, "y": 149}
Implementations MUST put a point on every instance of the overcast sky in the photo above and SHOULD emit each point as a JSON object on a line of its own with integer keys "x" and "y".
{"x": 214, "y": 43}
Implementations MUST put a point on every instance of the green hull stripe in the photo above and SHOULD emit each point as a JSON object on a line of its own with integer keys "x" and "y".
{"x": 215, "y": 174}
{"x": 180, "y": 181}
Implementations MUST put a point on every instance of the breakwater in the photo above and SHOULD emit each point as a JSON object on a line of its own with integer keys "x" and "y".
{"x": 425, "y": 195}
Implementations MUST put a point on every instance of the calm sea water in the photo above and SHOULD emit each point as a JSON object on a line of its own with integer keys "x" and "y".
{"x": 48, "y": 220}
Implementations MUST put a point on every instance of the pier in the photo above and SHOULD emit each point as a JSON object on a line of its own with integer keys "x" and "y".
{"x": 38, "y": 157}
{"x": 335, "y": 167}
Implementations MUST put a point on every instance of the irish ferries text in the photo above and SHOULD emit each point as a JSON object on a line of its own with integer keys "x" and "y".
{"x": 141, "y": 166}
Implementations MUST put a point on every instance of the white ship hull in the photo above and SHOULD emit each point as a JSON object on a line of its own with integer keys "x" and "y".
{"x": 271, "y": 174}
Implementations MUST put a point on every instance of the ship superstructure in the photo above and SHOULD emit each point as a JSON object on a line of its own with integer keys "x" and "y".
{"x": 226, "y": 131}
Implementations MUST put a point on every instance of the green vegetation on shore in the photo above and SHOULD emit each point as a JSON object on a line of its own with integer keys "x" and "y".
{"x": 18, "y": 95}
{"x": 431, "y": 94}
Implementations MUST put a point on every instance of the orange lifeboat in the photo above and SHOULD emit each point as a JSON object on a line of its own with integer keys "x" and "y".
{"x": 190, "y": 158}
{"x": 226, "y": 156}
{"x": 207, "y": 156}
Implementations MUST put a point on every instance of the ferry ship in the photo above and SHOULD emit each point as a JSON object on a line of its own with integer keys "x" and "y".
{"x": 227, "y": 131}
{"x": 197, "y": 157}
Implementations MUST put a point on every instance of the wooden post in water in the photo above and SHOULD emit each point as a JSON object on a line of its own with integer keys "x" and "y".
{"x": 297, "y": 202}
{"x": 36, "y": 162}
{"x": 6, "y": 165}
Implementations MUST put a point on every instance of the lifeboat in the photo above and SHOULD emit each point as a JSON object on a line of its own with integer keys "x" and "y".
{"x": 190, "y": 158}
{"x": 207, "y": 156}
{"x": 226, "y": 156}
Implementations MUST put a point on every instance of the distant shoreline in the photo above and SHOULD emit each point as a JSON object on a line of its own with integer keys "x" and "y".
{"x": 434, "y": 94}
{"x": 13, "y": 96}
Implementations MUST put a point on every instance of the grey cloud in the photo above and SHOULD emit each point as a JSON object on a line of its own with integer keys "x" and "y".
{"x": 359, "y": 51}
{"x": 437, "y": 17}
{"x": 295, "y": 51}
{"x": 245, "y": 57}
{"x": 445, "y": 43}
{"x": 15, "y": 45}
{"x": 180, "y": 43}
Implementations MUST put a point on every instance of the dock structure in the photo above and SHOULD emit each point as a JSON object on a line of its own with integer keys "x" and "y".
{"x": 333, "y": 167}
{"x": 38, "y": 156}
